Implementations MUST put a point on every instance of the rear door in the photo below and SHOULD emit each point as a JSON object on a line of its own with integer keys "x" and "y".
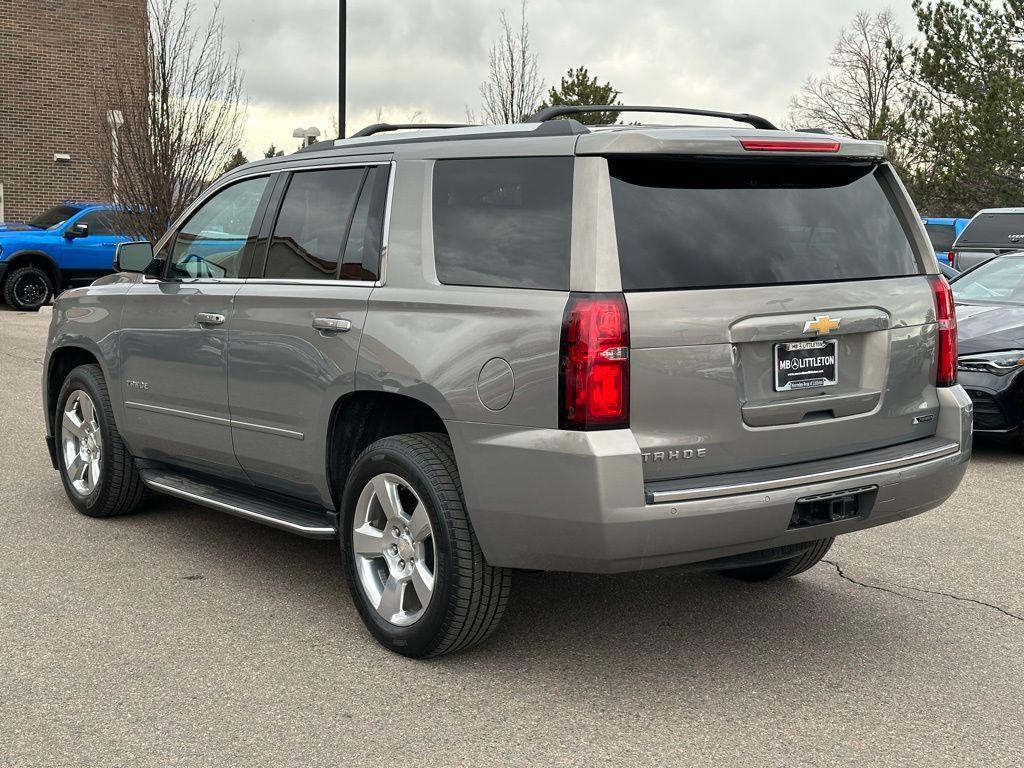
{"x": 298, "y": 323}
{"x": 778, "y": 313}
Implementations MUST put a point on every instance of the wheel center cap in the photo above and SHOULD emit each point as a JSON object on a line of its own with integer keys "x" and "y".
{"x": 406, "y": 550}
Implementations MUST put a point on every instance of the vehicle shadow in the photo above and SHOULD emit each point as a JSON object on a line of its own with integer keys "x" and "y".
{"x": 613, "y": 627}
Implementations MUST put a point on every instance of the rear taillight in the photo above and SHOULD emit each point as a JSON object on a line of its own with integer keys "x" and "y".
{"x": 790, "y": 145}
{"x": 945, "y": 315}
{"x": 594, "y": 364}
{"x": 951, "y": 258}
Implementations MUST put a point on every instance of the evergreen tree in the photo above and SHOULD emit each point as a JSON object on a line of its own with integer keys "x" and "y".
{"x": 578, "y": 88}
{"x": 235, "y": 160}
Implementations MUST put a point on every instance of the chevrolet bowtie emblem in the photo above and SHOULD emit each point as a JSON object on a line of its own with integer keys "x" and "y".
{"x": 822, "y": 324}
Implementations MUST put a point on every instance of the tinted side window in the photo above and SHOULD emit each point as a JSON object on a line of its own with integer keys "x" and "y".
{"x": 313, "y": 223}
{"x": 365, "y": 238}
{"x": 503, "y": 222}
{"x": 216, "y": 240}
{"x": 100, "y": 223}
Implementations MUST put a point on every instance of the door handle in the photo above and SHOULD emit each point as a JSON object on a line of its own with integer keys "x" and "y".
{"x": 326, "y": 325}
{"x": 209, "y": 318}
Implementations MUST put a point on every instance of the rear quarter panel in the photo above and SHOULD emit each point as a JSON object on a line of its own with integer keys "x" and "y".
{"x": 430, "y": 341}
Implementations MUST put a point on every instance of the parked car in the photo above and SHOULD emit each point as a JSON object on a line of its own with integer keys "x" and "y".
{"x": 462, "y": 352}
{"x": 947, "y": 271}
{"x": 990, "y": 311}
{"x": 991, "y": 232}
{"x": 69, "y": 244}
{"x": 943, "y": 232}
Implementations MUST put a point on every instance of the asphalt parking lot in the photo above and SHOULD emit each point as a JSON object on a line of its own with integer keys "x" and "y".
{"x": 182, "y": 636}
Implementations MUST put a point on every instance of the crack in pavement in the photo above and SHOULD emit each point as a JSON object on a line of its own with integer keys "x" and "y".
{"x": 842, "y": 574}
{"x": 966, "y": 600}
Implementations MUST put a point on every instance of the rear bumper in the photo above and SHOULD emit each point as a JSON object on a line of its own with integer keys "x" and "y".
{"x": 576, "y": 501}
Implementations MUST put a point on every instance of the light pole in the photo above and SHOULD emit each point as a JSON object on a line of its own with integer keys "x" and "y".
{"x": 115, "y": 119}
{"x": 342, "y": 35}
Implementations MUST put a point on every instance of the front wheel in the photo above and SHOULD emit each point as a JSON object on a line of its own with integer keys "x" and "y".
{"x": 27, "y": 289}
{"x": 411, "y": 560}
{"x": 99, "y": 475}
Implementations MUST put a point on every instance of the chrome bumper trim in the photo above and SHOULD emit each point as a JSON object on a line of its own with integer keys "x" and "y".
{"x": 690, "y": 494}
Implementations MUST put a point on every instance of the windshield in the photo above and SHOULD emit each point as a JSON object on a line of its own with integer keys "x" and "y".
{"x": 1000, "y": 281}
{"x": 54, "y": 217}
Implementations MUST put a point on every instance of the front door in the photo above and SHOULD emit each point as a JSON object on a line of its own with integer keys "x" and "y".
{"x": 296, "y": 330}
{"x": 89, "y": 257}
{"x": 174, "y": 338}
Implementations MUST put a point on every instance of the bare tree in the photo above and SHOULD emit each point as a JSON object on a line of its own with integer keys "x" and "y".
{"x": 175, "y": 127}
{"x": 513, "y": 87}
{"x": 868, "y": 90}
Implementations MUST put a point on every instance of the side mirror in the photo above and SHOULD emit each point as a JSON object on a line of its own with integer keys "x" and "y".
{"x": 81, "y": 229}
{"x": 136, "y": 257}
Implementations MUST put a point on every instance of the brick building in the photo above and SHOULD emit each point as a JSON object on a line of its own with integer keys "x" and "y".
{"x": 55, "y": 58}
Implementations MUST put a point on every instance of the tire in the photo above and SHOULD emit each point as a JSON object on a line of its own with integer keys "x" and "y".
{"x": 782, "y": 569}
{"x": 468, "y": 596}
{"x": 116, "y": 488}
{"x": 27, "y": 289}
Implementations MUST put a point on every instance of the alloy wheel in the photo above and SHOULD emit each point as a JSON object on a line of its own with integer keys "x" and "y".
{"x": 30, "y": 290}
{"x": 394, "y": 550}
{"x": 81, "y": 442}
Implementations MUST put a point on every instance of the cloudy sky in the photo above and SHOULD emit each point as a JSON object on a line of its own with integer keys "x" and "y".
{"x": 429, "y": 56}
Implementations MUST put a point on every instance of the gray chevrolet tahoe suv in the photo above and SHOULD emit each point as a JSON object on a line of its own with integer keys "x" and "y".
{"x": 466, "y": 351}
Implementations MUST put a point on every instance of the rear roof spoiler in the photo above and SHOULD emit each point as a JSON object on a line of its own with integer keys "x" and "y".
{"x": 561, "y": 110}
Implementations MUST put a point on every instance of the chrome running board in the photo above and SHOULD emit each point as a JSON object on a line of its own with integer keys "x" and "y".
{"x": 294, "y": 518}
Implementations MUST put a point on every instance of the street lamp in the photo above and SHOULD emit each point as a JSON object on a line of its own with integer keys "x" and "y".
{"x": 308, "y": 135}
{"x": 115, "y": 119}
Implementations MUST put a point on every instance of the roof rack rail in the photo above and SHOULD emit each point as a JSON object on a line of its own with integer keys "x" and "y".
{"x": 550, "y": 113}
{"x": 370, "y": 130}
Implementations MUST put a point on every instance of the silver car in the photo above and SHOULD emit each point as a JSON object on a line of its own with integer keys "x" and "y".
{"x": 467, "y": 351}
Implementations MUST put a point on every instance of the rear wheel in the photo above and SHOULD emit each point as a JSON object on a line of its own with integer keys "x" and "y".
{"x": 410, "y": 557}
{"x": 27, "y": 289}
{"x": 98, "y": 473}
{"x": 782, "y": 569}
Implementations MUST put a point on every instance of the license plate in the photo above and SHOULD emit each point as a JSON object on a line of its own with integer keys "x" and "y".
{"x": 806, "y": 364}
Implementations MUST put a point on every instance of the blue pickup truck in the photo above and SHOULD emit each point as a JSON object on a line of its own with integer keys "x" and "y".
{"x": 69, "y": 244}
{"x": 943, "y": 232}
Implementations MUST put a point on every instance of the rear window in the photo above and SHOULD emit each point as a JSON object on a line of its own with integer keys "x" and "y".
{"x": 1002, "y": 230}
{"x": 503, "y": 222}
{"x": 688, "y": 224}
{"x": 941, "y": 235}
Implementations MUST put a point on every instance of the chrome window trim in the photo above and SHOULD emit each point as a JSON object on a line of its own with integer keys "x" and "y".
{"x": 385, "y": 235}
{"x": 296, "y": 281}
{"x": 690, "y": 494}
